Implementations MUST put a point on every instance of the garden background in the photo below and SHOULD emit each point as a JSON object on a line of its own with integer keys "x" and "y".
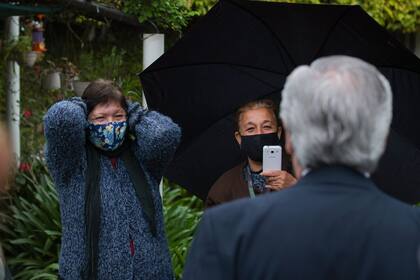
{"x": 90, "y": 49}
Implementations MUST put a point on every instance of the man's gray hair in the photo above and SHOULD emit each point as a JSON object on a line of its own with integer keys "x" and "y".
{"x": 338, "y": 110}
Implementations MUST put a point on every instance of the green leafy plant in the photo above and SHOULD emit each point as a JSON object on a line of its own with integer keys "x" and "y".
{"x": 201, "y": 7}
{"x": 69, "y": 69}
{"x": 52, "y": 67}
{"x": 87, "y": 63}
{"x": 114, "y": 64}
{"x": 394, "y": 15}
{"x": 109, "y": 65}
{"x": 182, "y": 213}
{"x": 172, "y": 14}
{"x": 31, "y": 226}
{"x": 34, "y": 103}
{"x": 15, "y": 49}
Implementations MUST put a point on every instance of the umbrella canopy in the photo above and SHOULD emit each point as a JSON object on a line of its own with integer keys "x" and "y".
{"x": 242, "y": 51}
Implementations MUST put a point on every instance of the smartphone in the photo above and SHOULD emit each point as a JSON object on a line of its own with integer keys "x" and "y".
{"x": 272, "y": 156}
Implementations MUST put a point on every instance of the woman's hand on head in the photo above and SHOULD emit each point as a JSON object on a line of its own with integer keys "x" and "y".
{"x": 79, "y": 102}
{"x": 134, "y": 113}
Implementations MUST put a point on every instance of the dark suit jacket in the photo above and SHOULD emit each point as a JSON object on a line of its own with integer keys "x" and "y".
{"x": 334, "y": 224}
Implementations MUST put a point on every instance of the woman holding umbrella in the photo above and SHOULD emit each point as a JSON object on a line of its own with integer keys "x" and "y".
{"x": 107, "y": 157}
{"x": 257, "y": 126}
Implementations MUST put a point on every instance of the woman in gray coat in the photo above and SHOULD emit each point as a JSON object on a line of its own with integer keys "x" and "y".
{"x": 107, "y": 157}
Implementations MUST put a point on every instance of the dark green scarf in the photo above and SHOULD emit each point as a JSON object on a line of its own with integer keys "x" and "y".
{"x": 93, "y": 198}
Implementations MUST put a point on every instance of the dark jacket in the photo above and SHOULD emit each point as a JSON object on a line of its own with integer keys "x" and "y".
{"x": 230, "y": 186}
{"x": 333, "y": 224}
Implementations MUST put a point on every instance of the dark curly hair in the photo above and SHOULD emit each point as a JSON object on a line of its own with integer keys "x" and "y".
{"x": 101, "y": 92}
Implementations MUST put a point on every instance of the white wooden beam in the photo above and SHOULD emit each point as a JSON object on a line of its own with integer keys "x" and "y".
{"x": 13, "y": 90}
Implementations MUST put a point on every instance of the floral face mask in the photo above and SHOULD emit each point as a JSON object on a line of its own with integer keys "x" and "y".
{"x": 109, "y": 136}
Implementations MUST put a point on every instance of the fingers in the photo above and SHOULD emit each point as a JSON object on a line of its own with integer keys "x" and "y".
{"x": 277, "y": 183}
{"x": 273, "y": 174}
{"x": 277, "y": 187}
{"x": 270, "y": 173}
{"x": 276, "y": 179}
{"x": 279, "y": 179}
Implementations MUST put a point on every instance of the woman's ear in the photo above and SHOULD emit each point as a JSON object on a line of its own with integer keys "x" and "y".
{"x": 238, "y": 137}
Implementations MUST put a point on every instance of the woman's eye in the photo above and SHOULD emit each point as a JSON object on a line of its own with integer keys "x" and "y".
{"x": 99, "y": 118}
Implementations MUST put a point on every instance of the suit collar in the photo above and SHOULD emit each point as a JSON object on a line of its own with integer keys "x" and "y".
{"x": 337, "y": 175}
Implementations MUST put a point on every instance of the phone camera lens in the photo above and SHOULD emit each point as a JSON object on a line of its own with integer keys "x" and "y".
{"x": 272, "y": 152}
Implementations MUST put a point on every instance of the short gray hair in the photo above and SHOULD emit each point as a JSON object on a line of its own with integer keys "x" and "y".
{"x": 338, "y": 110}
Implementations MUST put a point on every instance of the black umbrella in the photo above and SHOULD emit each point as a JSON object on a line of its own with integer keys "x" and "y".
{"x": 242, "y": 51}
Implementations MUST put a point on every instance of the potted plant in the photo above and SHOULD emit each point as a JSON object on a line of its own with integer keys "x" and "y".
{"x": 89, "y": 68}
{"x": 70, "y": 73}
{"x": 52, "y": 79}
{"x": 21, "y": 51}
{"x": 31, "y": 57}
{"x": 80, "y": 86}
{"x": 81, "y": 82}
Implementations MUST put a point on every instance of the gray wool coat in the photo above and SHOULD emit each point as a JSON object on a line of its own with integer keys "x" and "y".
{"x": 127, "y": 249}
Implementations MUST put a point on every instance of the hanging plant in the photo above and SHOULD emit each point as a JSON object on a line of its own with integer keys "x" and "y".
{"x": 31, "y": 57}
{"x": 29, "y": 47}
{"x": 52, "y": 80}
{"x": 70, "y": 73}
{"x": 15, "y": 49}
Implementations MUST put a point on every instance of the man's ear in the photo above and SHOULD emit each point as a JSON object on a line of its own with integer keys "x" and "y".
{"x": 297, "y": 168}
{"x": 289, "y": 146}
{"x": 238, "y": 137}
{"x": 279, "y": 132}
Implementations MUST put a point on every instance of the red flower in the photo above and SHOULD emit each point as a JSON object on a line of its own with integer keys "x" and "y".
{"x": 25, "y": 166}
{"x": 27, "y": 114}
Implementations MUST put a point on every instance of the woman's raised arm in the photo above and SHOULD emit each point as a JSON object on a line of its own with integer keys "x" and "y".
{"x": 156, "y": 135}
{"x": 65, "y": 124}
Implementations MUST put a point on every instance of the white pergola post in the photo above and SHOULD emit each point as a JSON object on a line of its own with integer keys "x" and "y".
{"x": 13, "y": 90}
{"x": 153, "y": 48}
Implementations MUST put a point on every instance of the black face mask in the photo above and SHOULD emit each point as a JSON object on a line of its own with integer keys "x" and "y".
{"x": 253, "y": 145}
